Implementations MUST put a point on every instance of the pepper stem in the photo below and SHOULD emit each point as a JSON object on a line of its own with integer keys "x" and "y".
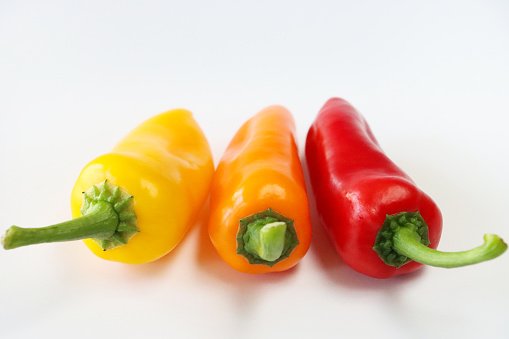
{"x": 404, "y": 237}
{"x": 100, "y": 223}
{"x": 108, "y": 218}
{"x": 266, "y": 238}
{"x": 267, "y": 241}
{"x": 406, "y": 243}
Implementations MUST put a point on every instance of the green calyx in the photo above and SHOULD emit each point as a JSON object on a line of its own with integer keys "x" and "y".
{"x": 122, "y": 203}
{"x": 266, "y": 238}
{"x": 384, "y": 243}
{"x": 107, "y": 217}
{"x": 404, "y": 237}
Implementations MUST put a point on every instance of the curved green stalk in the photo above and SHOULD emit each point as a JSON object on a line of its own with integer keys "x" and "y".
{"x": 406, "y": 243}
{"x": 404, "y": 237}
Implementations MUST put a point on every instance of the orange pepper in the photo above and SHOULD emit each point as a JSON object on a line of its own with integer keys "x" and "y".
{"x": 259, "y": 211}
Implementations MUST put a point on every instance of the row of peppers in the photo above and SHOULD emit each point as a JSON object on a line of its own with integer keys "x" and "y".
{"x": 135, "y": 204}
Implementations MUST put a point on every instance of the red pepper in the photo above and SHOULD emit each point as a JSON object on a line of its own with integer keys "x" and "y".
{"x": 380, "y": 222}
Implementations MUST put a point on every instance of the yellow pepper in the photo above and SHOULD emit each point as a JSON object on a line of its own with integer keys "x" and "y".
{"x": 135, "y": 204}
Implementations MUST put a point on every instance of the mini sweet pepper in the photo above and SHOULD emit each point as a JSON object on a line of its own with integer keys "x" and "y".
{"x": 134, "y": 204}
{"x": 380, "y": 222}
{"x": 259, "y": 214}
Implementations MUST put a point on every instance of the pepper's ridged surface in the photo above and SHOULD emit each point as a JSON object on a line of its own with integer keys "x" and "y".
{"x": 166, "y": 165}
{"x": 260, "y": 169}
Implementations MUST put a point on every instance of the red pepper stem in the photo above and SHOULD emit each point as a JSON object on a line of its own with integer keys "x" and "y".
{"x": 100, "y": 223}
{"x": 407, "y": 242}
{"x": 404, "y": 237}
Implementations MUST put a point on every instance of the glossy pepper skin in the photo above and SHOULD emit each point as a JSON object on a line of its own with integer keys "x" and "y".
{"x": 356, "y": 186}
{"x": 260, "y": 169}
{"x": 134, "y": 204}
{"x": 166, "y": 165}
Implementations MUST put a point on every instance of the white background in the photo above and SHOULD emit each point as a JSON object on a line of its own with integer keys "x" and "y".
{"x": 431, "y": 78}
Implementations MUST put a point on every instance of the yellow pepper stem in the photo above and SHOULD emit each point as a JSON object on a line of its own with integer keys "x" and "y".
{"x": 107, "y": 217}
{"x": 100, "y": 223}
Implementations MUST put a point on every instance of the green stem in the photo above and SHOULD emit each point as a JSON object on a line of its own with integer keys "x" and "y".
{"x": 404, "y": 237}
{"x": 266, "y": 238}
{"x": 267, "y": 241}
{"x": 108, "y": 218}
{"x": 100, "y": 223}
{"x": 406, "y": 242}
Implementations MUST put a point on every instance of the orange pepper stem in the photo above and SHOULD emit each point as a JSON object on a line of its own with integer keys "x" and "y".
{"x": 266, "y": 238}
{"x": 108, "y": 218}
{"x": 266, "y": 241}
